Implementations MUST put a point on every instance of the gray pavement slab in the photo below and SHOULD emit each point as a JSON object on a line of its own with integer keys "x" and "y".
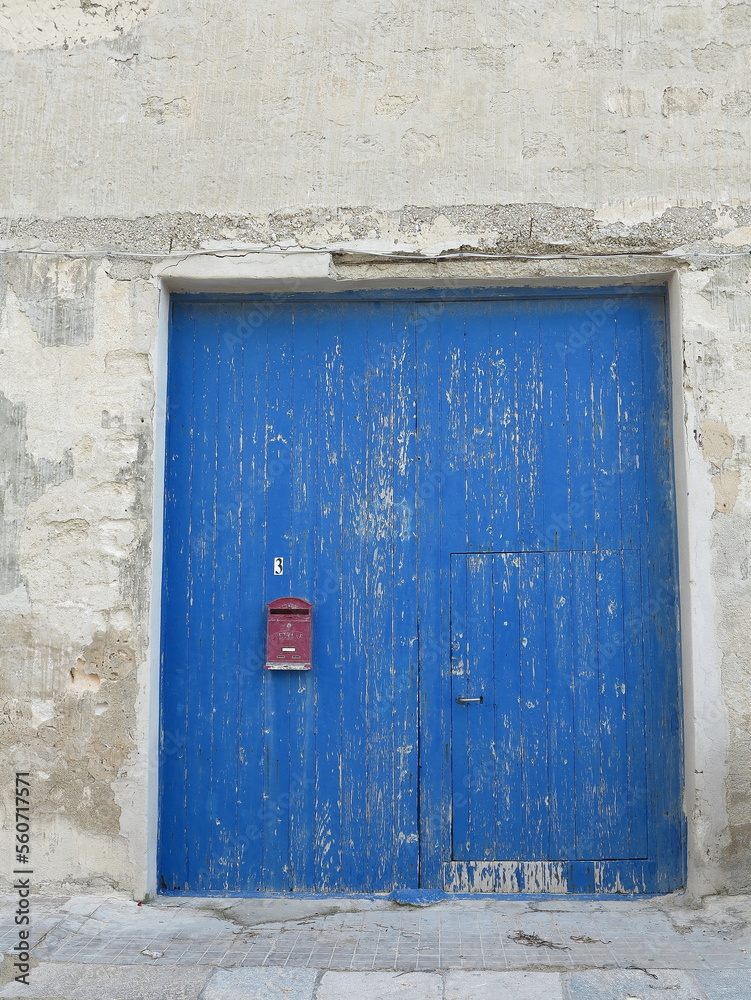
{"x": 260, "y": 984}
{"x": 503, "y": 986}
{"x": 632, "y": 984}
{"x": 109, "y": 982}
{"x": 725, "y": 984}
{"x": 380, "y": 986}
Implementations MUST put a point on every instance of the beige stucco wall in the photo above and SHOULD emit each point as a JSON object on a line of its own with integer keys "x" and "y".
{"x": 144, "y": 126}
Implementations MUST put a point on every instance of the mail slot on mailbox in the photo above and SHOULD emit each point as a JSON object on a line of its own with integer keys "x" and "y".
{"x": 289, "y": 634}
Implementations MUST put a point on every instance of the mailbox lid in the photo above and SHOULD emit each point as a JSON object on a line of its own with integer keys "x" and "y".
{"x": 282, "y": 604}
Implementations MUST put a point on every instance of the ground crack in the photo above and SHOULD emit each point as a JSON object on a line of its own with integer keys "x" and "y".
{"x": 535, "y": 941}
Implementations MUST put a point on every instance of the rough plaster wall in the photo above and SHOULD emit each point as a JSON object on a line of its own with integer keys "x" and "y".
{"x": 150, "y": 125}
{"x": 64, "y": 23}
{"x": 379, "y": 104}
{"x": 76, "y": 422}
{"x": 717, "y": 360}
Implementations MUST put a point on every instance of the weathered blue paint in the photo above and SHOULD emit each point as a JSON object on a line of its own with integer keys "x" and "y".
{"x": 475, "y": 491}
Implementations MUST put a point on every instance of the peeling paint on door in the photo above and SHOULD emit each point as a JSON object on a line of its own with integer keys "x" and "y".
{"x": 481, "y": 510}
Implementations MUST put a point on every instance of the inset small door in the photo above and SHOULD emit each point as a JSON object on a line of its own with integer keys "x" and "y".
{"x": 548, "y": 727}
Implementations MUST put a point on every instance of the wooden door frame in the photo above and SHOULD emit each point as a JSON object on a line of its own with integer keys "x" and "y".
{"x": 313, "y": 275}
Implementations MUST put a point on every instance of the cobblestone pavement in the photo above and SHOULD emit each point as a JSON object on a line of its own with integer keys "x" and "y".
{"x": 94, "y": 948}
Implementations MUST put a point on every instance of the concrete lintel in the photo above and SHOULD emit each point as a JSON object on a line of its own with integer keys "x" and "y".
{"x": 230, "y": 271}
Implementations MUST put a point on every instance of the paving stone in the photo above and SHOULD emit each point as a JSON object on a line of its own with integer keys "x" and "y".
{"x": 85, "y": 905}
{"x": 261, "y": 984}
{"x": 110, "y": 982}
{"x": 503, "y": 986}
{"x": 380, "y": 986}
{"x": 633, "y": 984}
{"x": 725, "y": 984}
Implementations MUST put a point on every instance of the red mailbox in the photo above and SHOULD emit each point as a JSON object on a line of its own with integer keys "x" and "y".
{"x": 289, "y": 634}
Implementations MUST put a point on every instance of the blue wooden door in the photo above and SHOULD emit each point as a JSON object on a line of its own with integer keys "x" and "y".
{"x": 548, "y": 573}
{"x": 475, "y": 494}
{"x": 294, "y": 441}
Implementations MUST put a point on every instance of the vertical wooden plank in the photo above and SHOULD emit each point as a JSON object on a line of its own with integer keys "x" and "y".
{"x": 202, "y": 599}
{"x": 445, "y": 483}
{"x": 631, "y": 400}
{"x": 637, "y": 844}
{"x": 357, "y": 658}
{"x": 534, "y": 699}
{"x": 225, "y": 653}
{"x": 176, "y": 620}
{"x": 508, "y": 712}
{"x": 562, "y": 663}
{"x": 581, "y": 435}
{"x": 586, "y": 705}
{"x": 461, "y": 838}
{"x": 480, "y": 494}
{"x": 481, "y": 784}
{"x": 578, "y": 351}
{"x": 329, "y": 666}
{"x": 278, "y": 687}
{"x": 445, "y": 490}
{"x": 605, "y": 440}
{"x": 376, "y": 593}
{"x": 440, "y": 467}
{"x": 252, "y": 757}
{"x": 560, "y": 502}
{"x": 613, "y": 743}
{"x": 305, "y": 501}
{"x": 556, "y": 429}
{"x": 529, "y": 392}
{"x": 633, "y": 532}
{"x": 405, "y": 693}
{"x": 504, "y": 510}
{"x": 532, "y": 657}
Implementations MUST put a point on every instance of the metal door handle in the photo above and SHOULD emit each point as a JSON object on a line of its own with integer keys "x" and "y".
{"x": 465, "y": 701}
